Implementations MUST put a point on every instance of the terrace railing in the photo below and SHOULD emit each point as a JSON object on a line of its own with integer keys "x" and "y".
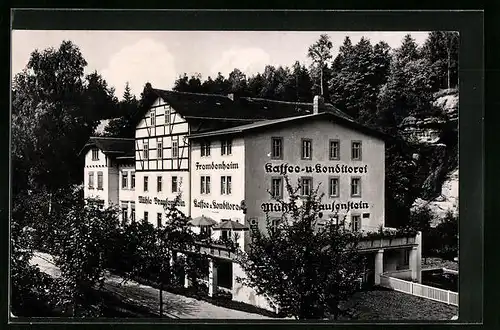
{"x": 420, "y": 290}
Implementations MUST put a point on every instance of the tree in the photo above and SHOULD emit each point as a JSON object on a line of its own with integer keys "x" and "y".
{"x": 175, "y": 236}
{"x": 49, "y": 122}
{"x": 408, "y": 51}
{"x": 238, "y": 81}
{"x": 222, "y": 85}
{"x": 256, "y": 85}
{"x": 127, "y": 94}
{"x": 30, "y": 289}
{"x": 208, "y": 86}
{"x": 98, "y": 100}
{"x": 441, "y": 49}
{"x": 124, "y": 126}
{"x": 306, "y": 268}
{"x": 408, "y": 90}
{"x": 147, "y": 251}
{"x": 351, "y": 88}
{"x": 86, "y": 241}
{"x": 299, "y": 84}
{"x": 444, "y": 237}
{"x": 320, "y": 53}
{"x": 181, "y": 83}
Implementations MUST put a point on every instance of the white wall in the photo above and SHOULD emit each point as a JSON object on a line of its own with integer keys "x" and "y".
{"x": 127, "y": 193}
{"x": 258, "y": 149}
{"x": 113, "y": 184}
{"x": 155, "y": 198}
{"x": 95, "y": 166}
{"x": 244, "y": 293}
{"x": 202, "y": 166}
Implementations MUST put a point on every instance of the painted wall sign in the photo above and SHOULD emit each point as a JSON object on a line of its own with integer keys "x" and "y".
{"x": 217, "y": 166}
{"x": 224, "y": 205}
{"x": 285, "y": 168}
{"x": 333, "y": 206}
{"x": 157, "y": 201}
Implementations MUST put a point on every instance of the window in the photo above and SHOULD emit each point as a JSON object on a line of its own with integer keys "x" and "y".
{"x": 306, "y": 149}
{"x": 205, "y": 149}
{"x": 356, "y": 223}
{"x": 99, "y": 180}
{"x": 174, "y": 184}
{"x": 91, "y": 180}
{"x": 158, "y": 220}
{"x": 226, "y": 147}
{"x": 159, "y": 149}
{"x": 334, "y": 187}
{"x": 175, "y": 149}
{"x": 124, "y": 179}
{"x": 205, "y": 185}
{"x": 167, "y": 115}
{"x": 145, "y": 150}
{"x": 225, "y": 234}
{"x": 153, "y": 118}
{"x": 124, "y": 213}
{"x": 277, "y": 187}
{"x": 356, "y": 150}
{"x": 277, "y": 148}
{"x": 225, "y": 185}
{"x": 95, "y": 154}
{"x": 132, "y": 211}
{"x": 356, "y": 187}
{"x": 132, "y": 180}
{"x": 146, "y": 215}
{"x": 158, "y": 184}
{"x": 146, "y": 183}
{"x": 305, "y": 186}
{"x": 334, "y": 150}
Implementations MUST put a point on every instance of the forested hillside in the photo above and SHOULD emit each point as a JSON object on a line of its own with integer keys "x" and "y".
{"x": 380, "y": 87}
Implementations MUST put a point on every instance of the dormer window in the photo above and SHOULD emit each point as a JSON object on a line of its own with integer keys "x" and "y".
{"x": 95, "y": 154}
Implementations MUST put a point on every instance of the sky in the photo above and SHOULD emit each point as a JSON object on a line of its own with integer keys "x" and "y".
{"x": 159, "y": 57}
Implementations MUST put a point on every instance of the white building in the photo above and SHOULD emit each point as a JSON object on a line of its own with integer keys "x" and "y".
{"x": 106, "y": 161}
{"x": 224, "y": 155}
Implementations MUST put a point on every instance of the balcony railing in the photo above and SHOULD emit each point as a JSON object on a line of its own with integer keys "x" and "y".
{"x": 377, "y": 243}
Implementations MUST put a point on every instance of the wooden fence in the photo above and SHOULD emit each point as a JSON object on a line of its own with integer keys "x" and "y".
{"x": 420, "y": 290}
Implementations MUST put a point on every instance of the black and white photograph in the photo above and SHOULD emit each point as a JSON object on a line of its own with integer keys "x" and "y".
{"x": 242, "y": 175}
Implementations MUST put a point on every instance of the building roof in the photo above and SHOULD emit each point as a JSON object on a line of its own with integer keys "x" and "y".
{"x": 275, "y": 122}
{"x": 227, "y": 108}
{"x": 118, "y": 147}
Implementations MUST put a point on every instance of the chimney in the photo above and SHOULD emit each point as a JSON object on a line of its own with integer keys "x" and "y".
{"x": 318, "y": 104}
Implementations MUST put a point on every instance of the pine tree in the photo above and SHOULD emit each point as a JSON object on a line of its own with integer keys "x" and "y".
{"x": 127, "y": 94}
